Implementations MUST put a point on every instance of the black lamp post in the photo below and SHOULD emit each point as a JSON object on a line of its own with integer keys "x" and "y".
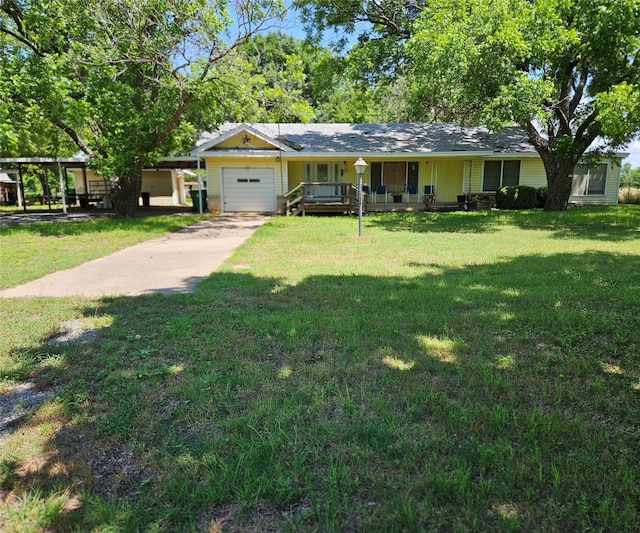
{"x": 360, "y": 165}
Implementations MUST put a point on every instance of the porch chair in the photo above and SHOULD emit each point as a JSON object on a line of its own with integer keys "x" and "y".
{"x": 382, "y": 190}
{"x": 412, "y": 190}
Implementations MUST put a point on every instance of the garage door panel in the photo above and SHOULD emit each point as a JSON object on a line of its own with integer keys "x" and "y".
{"x": 249, "y": 189}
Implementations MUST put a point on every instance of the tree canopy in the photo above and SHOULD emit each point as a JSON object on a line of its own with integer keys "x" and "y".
{"x": 128, "y": 81}
{"x": 298, "y": 80}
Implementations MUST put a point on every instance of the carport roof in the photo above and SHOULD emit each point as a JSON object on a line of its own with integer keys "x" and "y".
{"x": 80, "y": 161}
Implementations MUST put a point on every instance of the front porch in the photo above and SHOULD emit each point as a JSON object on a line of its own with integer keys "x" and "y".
{"x": 342, "y": 198}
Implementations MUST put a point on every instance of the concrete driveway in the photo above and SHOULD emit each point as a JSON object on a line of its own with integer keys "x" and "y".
{"x": 173, "y": 263}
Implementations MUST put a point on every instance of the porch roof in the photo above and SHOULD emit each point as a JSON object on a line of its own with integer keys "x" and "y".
{"x": 385, "y": 138}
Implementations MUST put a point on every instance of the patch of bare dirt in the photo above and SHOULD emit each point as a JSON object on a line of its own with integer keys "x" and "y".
{"x": 20, "y": 400}
{"x": 114, "y": 468}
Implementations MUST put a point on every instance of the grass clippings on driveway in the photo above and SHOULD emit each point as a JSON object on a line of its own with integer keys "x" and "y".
{"x": 445, "y": 372}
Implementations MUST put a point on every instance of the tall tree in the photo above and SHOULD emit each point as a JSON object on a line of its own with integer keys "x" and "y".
{"x": 376, "y": 61}
{"x": 566, "y": 71}
{"x": 629, "y": 177}
{"x": 281, "y": 69}
{"x": 129, "y": 81}
{"x": 297, "y": 80}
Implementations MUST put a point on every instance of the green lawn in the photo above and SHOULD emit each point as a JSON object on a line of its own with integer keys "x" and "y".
{"x": 445, "y": 372}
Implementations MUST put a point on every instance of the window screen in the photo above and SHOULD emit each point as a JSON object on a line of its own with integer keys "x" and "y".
{"x": 492, "y": 170}
{"x": 510, "y": 173}
{"x": 500, "y": 174}
{"x": 589, "y": 180}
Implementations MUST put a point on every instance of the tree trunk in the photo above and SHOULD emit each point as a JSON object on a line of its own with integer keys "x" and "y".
{"x": 559, "y": 179}
{"x": 127, "y": 192}
{"x": 44, "y": 182}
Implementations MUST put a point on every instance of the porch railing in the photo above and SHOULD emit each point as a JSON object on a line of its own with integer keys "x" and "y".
{"x": 320, "y": 196}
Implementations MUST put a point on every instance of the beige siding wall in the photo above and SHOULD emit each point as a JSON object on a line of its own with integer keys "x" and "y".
{"x": 237, "y": 141}
{"x": 79, "y": 180}
{"x": 447, "y": 178}
{"x": 296, "y": 173}
{"x": 532, "y": 173}
{"x": 157, "y": 183}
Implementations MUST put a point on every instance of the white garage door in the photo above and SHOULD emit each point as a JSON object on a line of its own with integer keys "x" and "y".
{"x": 249, "y": 189}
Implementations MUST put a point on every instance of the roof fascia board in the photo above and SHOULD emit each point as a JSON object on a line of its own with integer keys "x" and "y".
{"x": 249, "y": 154}
{"x": 235, "y": 131}
{"x": 42, "y": 160}
{"x": 171, "y": 159}
{"x": 377, "y": 155}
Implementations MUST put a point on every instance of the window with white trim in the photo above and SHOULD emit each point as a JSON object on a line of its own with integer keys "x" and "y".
{"x": 500, "y": 173}
{"x": 588, "y": 181}
{"x": 397, "y": 176}
{"x": 325, "y": 172}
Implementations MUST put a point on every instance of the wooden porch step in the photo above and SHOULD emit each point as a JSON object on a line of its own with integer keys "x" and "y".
{"x": 327, "y": 207}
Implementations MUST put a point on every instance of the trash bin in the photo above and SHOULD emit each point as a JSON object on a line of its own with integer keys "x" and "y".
{"x": 195, "y": 200}
{"x": 146, "y": 199}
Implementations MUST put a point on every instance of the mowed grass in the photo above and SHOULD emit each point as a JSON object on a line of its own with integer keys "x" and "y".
{"x": 30, "y": 251}
{"x": 445, "y": 372}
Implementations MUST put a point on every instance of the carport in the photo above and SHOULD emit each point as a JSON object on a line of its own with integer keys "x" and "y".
{"x": 65, "y": 165}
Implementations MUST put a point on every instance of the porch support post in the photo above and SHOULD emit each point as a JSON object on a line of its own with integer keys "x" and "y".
{"x": 199, "y": 188}
{"x": 22, "y": 202}
{"x": 62, "y": 189}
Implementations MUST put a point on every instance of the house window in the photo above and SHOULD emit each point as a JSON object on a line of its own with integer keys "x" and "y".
{"x": 412, "y": 175}
{"x": 396, "y": 175}
{"x": 588, "y": 181}
{"x": 500, "y": 174}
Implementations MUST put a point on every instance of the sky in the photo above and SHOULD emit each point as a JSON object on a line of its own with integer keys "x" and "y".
{"x": 634, "y": 150}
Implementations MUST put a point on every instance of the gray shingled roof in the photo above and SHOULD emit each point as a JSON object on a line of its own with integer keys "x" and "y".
{"x": 386, "y": 138}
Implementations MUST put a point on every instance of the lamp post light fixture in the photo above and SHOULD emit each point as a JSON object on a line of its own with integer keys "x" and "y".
{"x": 360, "y": 165}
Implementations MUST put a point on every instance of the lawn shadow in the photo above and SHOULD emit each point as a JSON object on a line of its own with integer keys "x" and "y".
{"x": 385, "y": 402}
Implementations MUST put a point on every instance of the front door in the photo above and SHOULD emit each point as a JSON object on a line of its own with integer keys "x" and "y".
{"x": 325, "y": 173}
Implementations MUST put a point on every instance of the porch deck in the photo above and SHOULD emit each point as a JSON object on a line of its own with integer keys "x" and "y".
{"x": 342, "y": 198}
